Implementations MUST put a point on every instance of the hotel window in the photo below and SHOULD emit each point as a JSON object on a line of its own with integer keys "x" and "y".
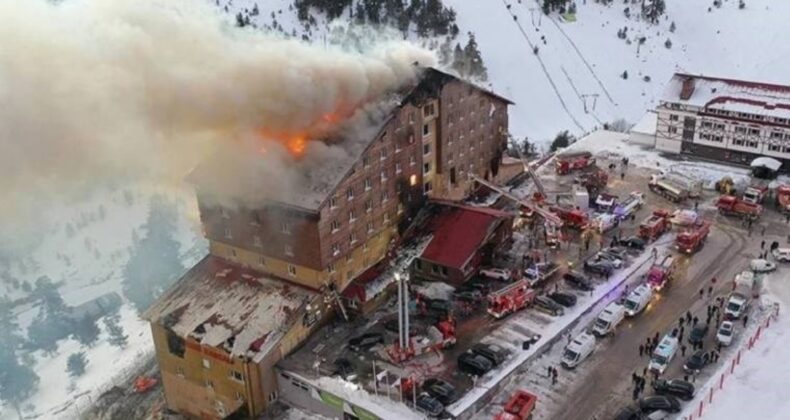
{"x": 719, "y": 127}
{"x": 397, "y": 147}
{"x": 776, "y": 135}
{"x": 352, "y": 216}
{"x": 413, "y": 180}
{"x": 206, "y": 364}
{"x": 368, "y": 206}
{"x": 368, "y": 184}
{"x": 365, "y": 161}
{"x": 754, "y": 131}
{"x": 291, "y": 270}
{"x": 752, "y": 144}
{"x": 398, "y": 168}
{"x": 334, "y": 226}
{"x": 385, "y": 196}
{"x": 370, "y": 227}
{"x": 224, "y": 212}
{"x": 426, "y": 129}
{"x": 383, "y": 154}
{"x": 352, "y": 238}
{"x": 384, "y": 175}
{"x": 707, "y": 124}
{"x": 426, "y": 149}
{"x": 428, "y": 110}
{"x": 386, "y": 217}
{"x": 738, "y": 142}
{"x": 426, "y": 167}
{"x": 236, "y": 376}
{"x": 330, "y": 267}
{"x": 239, "y": 396}
{"x": 256, "y": 219}
{"x": 209, "y": 383}
{"x": 256, "y": 241}
{"x": 718, "y": 138}
{"x": 180, "y": 372}
{"x": 411, "y": 117}
{"x": 740, "y": 130}
{"x": 333, "y": 203}
{"x": 228, "y": 233}
{"x": 672, "y": 130}
{"x": 428, "y": 187}
{"x": 400, "y": 208}
{"x": 289, "y": 251}
{"x": 412, "y": 161}
{"x": 774, "y": 148}
{"x": 411, "y": 138}
{"x": 285, "y": 227}
{"x": 350, "y": 193}
{"x": 261, "y": 260}
{"x": 233, "y": 252}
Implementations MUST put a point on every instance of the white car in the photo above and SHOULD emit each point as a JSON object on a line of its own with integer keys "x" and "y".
{"x": 782, "y": 254}
{"x": 762, "y": 266}
{"x": 725, "y": 333}
{"x": 496, "y": 273}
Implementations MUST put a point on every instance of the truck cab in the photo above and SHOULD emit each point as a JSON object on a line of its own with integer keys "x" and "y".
{"x": 608, "y": 320}
{"x": 578, "y": 350}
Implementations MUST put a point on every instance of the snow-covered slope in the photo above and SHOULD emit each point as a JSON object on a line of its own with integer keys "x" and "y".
{"x": 727, "y": 42}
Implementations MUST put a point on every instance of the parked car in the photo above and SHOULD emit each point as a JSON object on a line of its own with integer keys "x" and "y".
{"x": 632, "y": 412}
{"x": 466, "y": 295}
{"x": 725, "y": 333}
{"x": 565, "y": 299}
{"x": 695, "y": 363}
{"x": 698, "y": 333}
{"x": 634, "y": 243}
{"x": 544, "y": 304}
{"x": 674, "y": 387}
{"x": 494, "y": 353}
{"x": 479, "y": 283}
{"x": 344, "y": 369}
{"x": 659, "y": 402}
{"x": 430, "y": 405}
{"x": 441, "y": 390}
{"x": 612, "y": 258}
{"x": 474, "y": 364}
{"x": 365, "y": 341}
{"x": 438, "y": 307}
{"x": 619, "y": 252}
{"x": 578, "y": 281}
{"x": 781, "y": 254}
{"x": 762, "y": 266}
{"x": 496, "y": 273}
{"x": 599, "y": 266}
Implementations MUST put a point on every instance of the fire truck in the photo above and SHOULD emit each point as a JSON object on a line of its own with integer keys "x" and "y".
{"x": 572, "y": 218}
{"x": 755, "y": 194}
{"x": 691, "y": 239}
{"x": 509, "y": 299}
{"x": 783, "y": 198}
{"x": 594, "y": 181}
{"x": 661, "y": 272}
{"x": 630, "y": 205}
{"x": 565, "y": 163}
{"x": 518, "y": 407}
{"x": 655, "y": 225}
{"x": 733, "y": 206}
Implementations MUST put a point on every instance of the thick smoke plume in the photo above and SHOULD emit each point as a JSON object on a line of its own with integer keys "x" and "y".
{"x": 96, "y": 89}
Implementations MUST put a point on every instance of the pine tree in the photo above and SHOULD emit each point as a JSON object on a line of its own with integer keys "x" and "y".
{"x": 563, "y": 139}
{"x": 155, "y": 261}
{"x": 117, "y": 337}
{"x": 475, "y": 60}
{"x": 53, "y": 321}
{"x": 76, "y": 363}
{"x": 17, "y": 381}
{"x": 86, "y": 331}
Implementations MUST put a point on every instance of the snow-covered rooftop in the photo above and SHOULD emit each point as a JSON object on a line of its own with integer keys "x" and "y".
{"x": 729, "y": 95}
{"x": 226, "y": 306}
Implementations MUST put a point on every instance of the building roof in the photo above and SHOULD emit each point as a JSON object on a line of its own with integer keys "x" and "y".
{"x": 729, "y": 95}
{"x": 647, "y": 124}
{"x": 225, "y": 306}
{"x": 458, "y": 232}
{"x": 312, "y": 178}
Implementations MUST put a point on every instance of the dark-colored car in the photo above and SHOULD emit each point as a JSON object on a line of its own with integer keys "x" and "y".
{"x": 634, "y": 243}
{"x": 430, "y": 405}
{"x": 618, "y": 252}
{"x": 467, "y": 295}
{"x": 479, "y": 283}
{"x": 474, "y": 364}
{"x": 695, "y": 363}
{"x": 698, "y": 333}
{"x": 598, "y": 266}
{"x": 674, "y": 387}
{"x": 578, "y": 281}
{"x": 495, "y": 354}
{"x": 565, "y": 299}
{"x": 366, "y": 341}
{"x": 632, "y": 412}
{"x": 438, "y": 307}
{"x": 391, "y": 325}
{"x": 544, "y": 304}
{"x": 659, "y": 402}
{"x": 344, "y": 369}
{"x": 441, "y": 390}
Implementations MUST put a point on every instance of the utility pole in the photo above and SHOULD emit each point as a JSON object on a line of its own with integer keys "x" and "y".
{"x": 535, "y": 10}
{"x": 584, "y": 97}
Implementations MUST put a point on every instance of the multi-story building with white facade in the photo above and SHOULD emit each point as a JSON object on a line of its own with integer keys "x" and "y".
{"x": 724, "y": 119}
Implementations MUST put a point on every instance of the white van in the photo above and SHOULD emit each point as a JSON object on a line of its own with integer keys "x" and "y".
{"x": 578, "y": 350}
{"x": 637, "y": 301}
{"x": 781, "y": 254}
{"x": 663, "y": 354}
{"x": 608, "y": 320}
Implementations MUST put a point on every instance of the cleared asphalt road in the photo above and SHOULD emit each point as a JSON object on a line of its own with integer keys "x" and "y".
{"x": 606, "y": 385}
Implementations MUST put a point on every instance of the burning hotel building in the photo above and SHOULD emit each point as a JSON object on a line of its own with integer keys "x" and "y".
{"x": 275, "y": 272}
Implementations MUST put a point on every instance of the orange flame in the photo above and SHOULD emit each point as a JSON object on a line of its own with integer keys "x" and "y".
{"x": 296, "y": 145}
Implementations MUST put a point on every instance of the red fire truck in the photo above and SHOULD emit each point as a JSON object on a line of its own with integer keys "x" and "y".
{"x": 655, "y": 225}
{"x": 783, "y": 198}
{"x": 733, "y": 206}
{"x": 518, "y": 407}
{"x": 509, "y": 299}
{"x": 692, "y": 238}
{"x": 572, "y": 218}
{"x": 565, "y": 163}
{"x": 661, "y": 272}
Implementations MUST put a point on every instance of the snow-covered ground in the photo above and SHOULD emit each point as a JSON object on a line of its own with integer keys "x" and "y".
{"x": 758, "y": 388}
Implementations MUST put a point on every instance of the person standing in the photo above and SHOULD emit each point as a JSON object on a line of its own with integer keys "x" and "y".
{"x": 554, "y": 376}
{"x": 682, "y": 350}
{"x": 641, "y": 350}
{"x": 745, "y": 319}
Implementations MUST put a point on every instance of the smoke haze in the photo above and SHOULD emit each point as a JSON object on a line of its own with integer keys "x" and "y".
{"x": 96, "y": 89}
